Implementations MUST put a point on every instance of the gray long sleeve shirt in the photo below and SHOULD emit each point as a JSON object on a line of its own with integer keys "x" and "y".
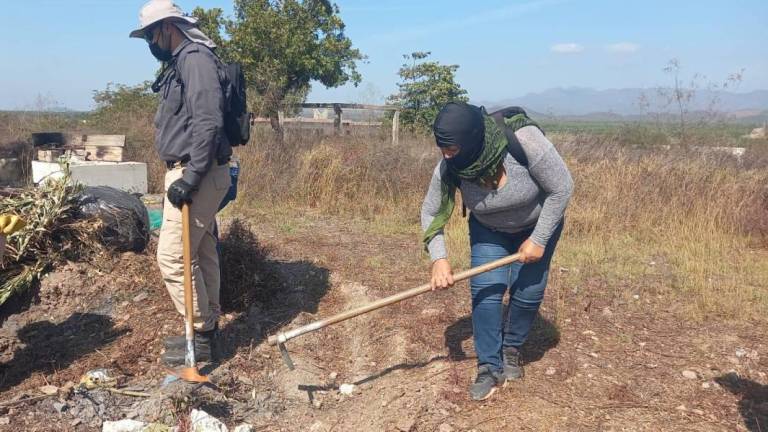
{"x": 189, "y": 121}
{"x": 533, "y": 197}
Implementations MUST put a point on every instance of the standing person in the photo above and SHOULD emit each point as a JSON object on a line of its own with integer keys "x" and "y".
{"x": 517, "y": 188}
{"x": 191, "y": 141}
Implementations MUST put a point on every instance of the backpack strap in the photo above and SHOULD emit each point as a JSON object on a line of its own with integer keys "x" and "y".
{"x": 514, "y": 147}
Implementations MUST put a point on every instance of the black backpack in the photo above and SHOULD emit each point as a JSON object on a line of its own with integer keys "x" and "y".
{"x": 514, "y": 147}
{"x": 237, "y": 119}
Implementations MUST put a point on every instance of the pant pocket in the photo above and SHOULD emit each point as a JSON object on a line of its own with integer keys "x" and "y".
{"x": 222, "y": 180}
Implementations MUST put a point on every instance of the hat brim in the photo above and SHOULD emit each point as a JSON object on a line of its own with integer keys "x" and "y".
{"x": 139, "y": 33}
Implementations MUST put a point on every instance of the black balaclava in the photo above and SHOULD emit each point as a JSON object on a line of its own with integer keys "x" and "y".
{"x": 462, "y": 125}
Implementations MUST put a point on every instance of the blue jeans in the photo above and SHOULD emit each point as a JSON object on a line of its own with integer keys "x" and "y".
{"x": 526, "y": 284}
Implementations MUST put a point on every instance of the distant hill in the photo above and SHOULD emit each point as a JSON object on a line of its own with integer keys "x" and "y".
{"x": 620, "y": 103}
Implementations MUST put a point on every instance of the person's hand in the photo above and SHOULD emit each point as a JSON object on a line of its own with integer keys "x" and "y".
{"x": 530, "y": 252}
{"x": 180, "y": 192}
{"x": 442, "y": 275}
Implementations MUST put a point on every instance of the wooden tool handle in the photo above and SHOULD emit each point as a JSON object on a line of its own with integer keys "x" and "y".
{"x": 189, "y": 307}
{"x": 413, "y": 292}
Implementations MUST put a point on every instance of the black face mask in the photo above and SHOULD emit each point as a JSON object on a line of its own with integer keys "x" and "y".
{"x": 461, "y": 125}
{"x": 164, "y": 55}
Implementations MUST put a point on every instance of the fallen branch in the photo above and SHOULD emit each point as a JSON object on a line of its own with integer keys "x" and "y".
{"x": 129, "y": 393}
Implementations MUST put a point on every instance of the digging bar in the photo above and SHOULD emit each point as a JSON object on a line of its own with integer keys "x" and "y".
{"x": 281, "y": 338}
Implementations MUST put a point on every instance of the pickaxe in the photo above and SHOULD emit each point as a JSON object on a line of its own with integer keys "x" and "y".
{"x": 281, "y": 338}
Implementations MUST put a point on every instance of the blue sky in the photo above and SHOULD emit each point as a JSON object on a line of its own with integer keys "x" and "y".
{"x": 62, "y": 50}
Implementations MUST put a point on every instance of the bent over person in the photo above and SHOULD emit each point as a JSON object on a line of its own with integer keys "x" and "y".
{"x": 191, "y": 141}
{"x": 517, "y": 187}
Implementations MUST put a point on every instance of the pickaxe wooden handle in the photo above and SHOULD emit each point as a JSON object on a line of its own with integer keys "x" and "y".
{"x": 280, "y": 338}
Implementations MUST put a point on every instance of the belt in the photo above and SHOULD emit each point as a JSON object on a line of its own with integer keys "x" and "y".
{"x": 181, "y": 164}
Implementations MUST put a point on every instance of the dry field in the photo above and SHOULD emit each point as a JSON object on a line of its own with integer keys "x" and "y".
{"x": 654, "y": 319}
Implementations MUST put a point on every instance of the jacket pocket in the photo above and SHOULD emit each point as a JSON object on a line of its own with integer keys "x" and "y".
{"x": 173, "y": 99}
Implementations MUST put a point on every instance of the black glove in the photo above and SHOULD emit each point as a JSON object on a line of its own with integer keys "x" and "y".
{"x": 180, "y": 192}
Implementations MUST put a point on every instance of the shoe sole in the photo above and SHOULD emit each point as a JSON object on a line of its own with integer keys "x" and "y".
{"x": 493, "y": 390}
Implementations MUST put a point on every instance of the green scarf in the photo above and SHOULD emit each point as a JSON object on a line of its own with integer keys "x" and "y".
{"x": 494, "y": 151}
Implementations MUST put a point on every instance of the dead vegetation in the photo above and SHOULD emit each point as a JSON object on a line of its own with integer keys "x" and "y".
{"x": 660, "y": 277}
{"x": 696, "y": 223}
{"x": 53, "y": 233}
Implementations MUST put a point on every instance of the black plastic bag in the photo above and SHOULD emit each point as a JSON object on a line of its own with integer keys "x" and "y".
{"x": 125, "y": 219}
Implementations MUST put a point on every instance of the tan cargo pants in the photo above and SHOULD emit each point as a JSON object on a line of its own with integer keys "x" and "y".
{"x": 205, "y": 259}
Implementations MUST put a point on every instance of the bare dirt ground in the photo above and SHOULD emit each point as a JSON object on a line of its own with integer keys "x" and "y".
{"x": 598, "y": 359}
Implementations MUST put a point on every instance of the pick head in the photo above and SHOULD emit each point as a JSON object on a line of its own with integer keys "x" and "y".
{"x": 286, "y": 356}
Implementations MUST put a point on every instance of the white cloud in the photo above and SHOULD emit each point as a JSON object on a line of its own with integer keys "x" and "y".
{"x": 567, "y": 48}
{"x": 622, "y": 47}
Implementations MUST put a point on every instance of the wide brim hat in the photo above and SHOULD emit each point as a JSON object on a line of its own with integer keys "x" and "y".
{"x": 157, "y": 10}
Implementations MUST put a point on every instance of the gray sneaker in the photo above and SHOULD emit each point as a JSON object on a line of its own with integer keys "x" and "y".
{"x": 510, "y": 358}
{"x": 486, "y": 383}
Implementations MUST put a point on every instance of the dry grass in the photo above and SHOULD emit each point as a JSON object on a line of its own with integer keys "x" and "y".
{"x": 640, "y": 220}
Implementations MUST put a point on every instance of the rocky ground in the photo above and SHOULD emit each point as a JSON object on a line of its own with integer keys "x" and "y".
{"x": 598, "y": 359}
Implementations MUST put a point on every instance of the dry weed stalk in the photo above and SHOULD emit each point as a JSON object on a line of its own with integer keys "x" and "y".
{"x": 52, "y": 232}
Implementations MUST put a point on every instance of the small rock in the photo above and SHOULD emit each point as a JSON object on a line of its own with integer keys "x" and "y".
{"x": 706, "y": 385}
{"x": 245, "y": 380}
{"x": 588, "y": 333}
{"x": 550, "y": 371}
{"x": 642, "y": 344}
{"x": 201, "y": 421}
{"x": 5, "y": 420}
{"x": 405, "y": 424}
{"x": 317, "y": 403}
{"x": 159, "y": 427}
{"x": 317, "y": 427}
{"x": 636, "y": 297}
{"x": 141, "y": 297}
{"x": 49, "y": 390}
{"x": 681, "y": 408}
{"x": 332, "y": 376}
{"x": 123, "y": 426}
{"x": 697, "y": 412}
{"x": 245, "y": 427}
{"x": 594, "y": 355}
{"x": 60, "y": 407}
{"x": 607, "y": 311}
{"x": 445, "y": 427}
{"x": 741, "y": 352}
{"x": 689, "y": 374}
{"x": 347, "y": 389}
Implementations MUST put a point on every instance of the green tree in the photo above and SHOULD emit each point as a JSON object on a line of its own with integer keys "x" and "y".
{"x": 212, "y": 23}
{"x": 424, "y": 88}
{"x": 118, "y": 101}
{"x": 284, "y": 45}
